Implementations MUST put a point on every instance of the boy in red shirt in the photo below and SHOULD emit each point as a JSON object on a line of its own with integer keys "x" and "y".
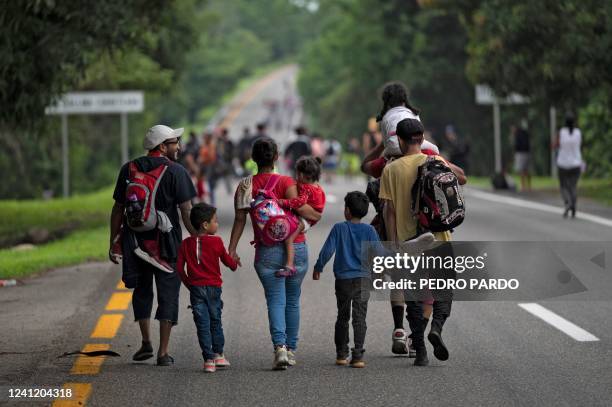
{"x": 308, "y": 172}
{"x": 198, "y": 267}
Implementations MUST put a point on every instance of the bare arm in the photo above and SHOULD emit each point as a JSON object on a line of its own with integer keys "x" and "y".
{"x": 458, "y": 171}
{"x": 372, "y": 155}
{"x": 115, "y": 226}
{"x": 305, "y": 211}
{"x": 185, "y": 209}
{"x": 389, "y": 218}
{"x": 240, "y": 216}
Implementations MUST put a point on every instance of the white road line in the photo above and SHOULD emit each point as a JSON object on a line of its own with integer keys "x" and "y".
{"x": 536, "y": 205}
{"x": 562, "y": 324}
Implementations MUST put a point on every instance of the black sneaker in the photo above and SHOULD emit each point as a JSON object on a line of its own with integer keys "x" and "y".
{"x": 165, "y": 360}
{"x": 435, "y": 338}
{"x": 421, "y": 357}
{"x": 145, "y": 352}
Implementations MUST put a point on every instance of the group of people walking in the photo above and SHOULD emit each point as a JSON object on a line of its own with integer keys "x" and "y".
{"x": 282, "y": 210}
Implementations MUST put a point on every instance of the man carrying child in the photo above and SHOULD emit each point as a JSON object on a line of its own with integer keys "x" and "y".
{"x": 396, "y": 183}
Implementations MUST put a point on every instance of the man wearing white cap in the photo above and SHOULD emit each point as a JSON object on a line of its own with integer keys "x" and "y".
{"x": 146, "y": 233}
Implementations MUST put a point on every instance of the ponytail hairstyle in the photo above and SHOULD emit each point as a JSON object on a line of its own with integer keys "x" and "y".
{"x": 310, "y": 167}
{"x": 395, "y": 94}
{"x": 264, "y": 152}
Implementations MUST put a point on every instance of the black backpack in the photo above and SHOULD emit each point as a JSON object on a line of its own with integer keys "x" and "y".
{"x": 437, "y": 199}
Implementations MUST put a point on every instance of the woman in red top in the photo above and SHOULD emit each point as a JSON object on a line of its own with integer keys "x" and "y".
{"x": 282, "y": 294}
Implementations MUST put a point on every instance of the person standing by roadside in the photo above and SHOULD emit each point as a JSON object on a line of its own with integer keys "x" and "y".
{"x": 151, "y": 255}
{"x": 522, "y": 155}
{"x": 569, "y": 163}
{"x": 282, "y": 294}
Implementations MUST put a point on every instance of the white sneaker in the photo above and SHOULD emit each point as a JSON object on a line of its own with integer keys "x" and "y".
{"x": 399, "y": 346}
{"x": 221, "y": 361}
{"x": 291, "y": 357}
{"x": 427, "y": 237}
{"x": 281, "y": 360}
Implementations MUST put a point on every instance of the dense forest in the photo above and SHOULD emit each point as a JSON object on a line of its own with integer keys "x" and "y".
{"x": 186, "y": 54}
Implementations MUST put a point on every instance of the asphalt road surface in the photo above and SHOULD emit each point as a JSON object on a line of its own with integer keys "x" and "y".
{"x": 500, "y": 353}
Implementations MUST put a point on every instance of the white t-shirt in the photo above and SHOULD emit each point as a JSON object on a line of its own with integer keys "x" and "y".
{"x": 569, "y": 155}
{"x": 388, "y": 125}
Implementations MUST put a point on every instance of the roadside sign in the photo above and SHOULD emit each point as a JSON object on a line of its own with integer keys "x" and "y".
{"x": 98, "y": 103}
{"x": 486, "y": 96}
{"x": 95, "y": 103}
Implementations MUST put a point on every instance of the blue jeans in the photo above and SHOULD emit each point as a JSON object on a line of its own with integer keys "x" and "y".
{"x": 282, "y": 294}
{"x": 206, "y": 305}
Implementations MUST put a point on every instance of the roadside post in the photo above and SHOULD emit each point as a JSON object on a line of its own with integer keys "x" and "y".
{"x": 95, "y": 103}
{"x": 486, "y": 96}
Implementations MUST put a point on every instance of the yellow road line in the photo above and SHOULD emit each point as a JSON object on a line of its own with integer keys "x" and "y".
{"x": 89, "y": 365}
{"x": 107, "y": 326}
{"x": 80, "y": 394}
{"x": 121, "y": 285}
{"x": 119, "y": 301}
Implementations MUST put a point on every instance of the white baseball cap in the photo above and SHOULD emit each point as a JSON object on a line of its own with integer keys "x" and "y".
{"x": 158, "y": 134}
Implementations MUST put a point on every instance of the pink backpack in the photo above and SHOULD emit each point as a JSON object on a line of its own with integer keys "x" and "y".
{"x": 272, "y": 224}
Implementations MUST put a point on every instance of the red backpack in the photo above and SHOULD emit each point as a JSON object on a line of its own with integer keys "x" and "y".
{"x": 140, "y": 197}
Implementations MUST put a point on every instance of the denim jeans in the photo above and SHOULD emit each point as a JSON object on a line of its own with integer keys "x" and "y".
{"x": 206, "y": 305}
{"x": 282, "y": 294}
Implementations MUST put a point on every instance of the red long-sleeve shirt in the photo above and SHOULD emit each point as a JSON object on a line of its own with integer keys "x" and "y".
{"x": 311, "y": 194}
{"x": 198, "y": 260}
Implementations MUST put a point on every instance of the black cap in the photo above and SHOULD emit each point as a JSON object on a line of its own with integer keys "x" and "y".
{"x": 408, "y": 128}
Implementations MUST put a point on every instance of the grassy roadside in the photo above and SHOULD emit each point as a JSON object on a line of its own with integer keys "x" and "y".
{"x": 78, "y": 247}
{"x": 599, "y": 190}
{"x": 64, "y": 214}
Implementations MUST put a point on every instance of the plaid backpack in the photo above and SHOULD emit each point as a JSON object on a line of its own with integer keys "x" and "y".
{"x": 437, "y": 199}
{"x": 140, "y": 195}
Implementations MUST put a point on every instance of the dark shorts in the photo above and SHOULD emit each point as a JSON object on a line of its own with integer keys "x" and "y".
{"x": 168, "y": 286}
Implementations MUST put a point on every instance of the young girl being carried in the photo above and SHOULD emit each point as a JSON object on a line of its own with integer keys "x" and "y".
{"x": 308, "y": 172}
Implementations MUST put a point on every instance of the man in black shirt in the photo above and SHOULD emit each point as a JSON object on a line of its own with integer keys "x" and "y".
{"x": 140, "y": 264}
{"x": 300, "y": 147}
{"x": 522, "y": 158}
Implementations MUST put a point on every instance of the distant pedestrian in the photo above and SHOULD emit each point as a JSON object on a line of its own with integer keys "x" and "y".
{"x": 352, "y": 280}
{"x": 198, "y": 267}
{"x": 522, "y": 155}
{"x": 371, "y": 138}
{"x": 569, "y": 163}
{"x": 223, "y": 168}
{"x": 146, "y": 231}
{"x": 458, "y": 148}
{"x": 331, "y": 160}
{"x": 299, "y": 147}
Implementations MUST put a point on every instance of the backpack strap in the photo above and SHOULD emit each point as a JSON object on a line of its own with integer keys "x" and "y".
{"x": 271, "y": 184}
